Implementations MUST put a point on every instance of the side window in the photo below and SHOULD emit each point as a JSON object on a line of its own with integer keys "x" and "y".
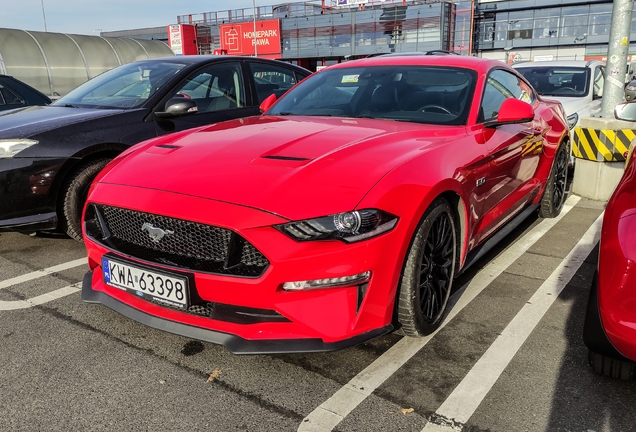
{"x": 501, "y": 85}
{"x": 216, "y": 87}
{"x": 7, "y": 97}
{"x": 599, "y": 82}
{"x": 271, "y": 79}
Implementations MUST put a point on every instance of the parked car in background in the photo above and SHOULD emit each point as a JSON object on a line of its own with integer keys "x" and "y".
{"x": 630, "y": 90}
{"x": 344, "y": 211}
{"x": 49, "y": 155}
{"x": 16, "y": 94}
{"x": 577, "y": 84}
{"x": 610, "y": 330}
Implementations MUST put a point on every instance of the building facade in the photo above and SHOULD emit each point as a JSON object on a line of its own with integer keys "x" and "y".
{"x": 317, "y": 33}
{"x": 544, "y": 29}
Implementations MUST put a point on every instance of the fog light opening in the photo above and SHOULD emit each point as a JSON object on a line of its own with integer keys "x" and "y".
{"x": 328, "y": 282}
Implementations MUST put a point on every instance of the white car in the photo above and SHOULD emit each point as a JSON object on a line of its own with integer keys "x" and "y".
{"x": 577, "y": 84}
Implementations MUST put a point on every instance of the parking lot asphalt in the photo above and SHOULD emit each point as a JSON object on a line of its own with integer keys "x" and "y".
{"x": 509, "y": 357}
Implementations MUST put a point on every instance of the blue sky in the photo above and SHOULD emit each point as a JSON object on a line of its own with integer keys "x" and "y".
{"x": 91, "y": 16}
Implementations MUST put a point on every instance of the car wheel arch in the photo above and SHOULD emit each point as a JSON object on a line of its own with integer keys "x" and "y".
{"x": 460, "y": 214}
{"x": 82, "y": 157}
{"x": 75, "y": 162}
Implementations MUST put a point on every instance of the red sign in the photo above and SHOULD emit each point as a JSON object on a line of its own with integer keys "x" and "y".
{"x": 240, "y": 39}
{"x": 182, "y": 38}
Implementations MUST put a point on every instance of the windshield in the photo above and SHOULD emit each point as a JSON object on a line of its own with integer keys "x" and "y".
{"x": 558, "y": 81}
{"x": 127, "y": 86}
{"x": 421, "y": 94}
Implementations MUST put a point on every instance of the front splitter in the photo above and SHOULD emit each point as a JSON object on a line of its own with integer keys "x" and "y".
{"x": 235, "y": 344}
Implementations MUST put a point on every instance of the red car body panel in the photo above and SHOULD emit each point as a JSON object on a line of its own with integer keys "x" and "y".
{"x": 251, "y": 174}
{"x": 616, "y": 283}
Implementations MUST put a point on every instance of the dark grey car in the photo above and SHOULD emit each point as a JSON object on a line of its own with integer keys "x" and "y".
{"x": 16, "y": 94}
{"x": 630, "y": 90}
{"x": 49, "y": 155}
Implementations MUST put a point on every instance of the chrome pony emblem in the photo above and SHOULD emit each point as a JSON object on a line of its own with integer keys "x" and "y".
{"x": 156, "y": 234}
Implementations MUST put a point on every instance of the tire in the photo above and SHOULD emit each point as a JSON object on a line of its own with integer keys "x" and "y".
{"x": 610, "y": 367}
{"x": 428, "y": 272}
{"x": 74, "y": 196}
{"x": 555, "y": 191}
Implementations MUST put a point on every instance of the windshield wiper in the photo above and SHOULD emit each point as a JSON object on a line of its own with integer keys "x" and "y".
{"x": 69, "y": 106}
{"x": 286, "y": 113}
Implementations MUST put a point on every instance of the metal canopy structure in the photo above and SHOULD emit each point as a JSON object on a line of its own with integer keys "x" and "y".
{"x": 56, "y": 63}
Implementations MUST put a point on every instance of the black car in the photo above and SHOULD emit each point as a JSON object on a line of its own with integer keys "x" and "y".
{"x": 49, "y": 155}
{"x": 16, "y": 94}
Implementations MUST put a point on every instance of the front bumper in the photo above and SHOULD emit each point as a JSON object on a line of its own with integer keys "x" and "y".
{"x": 233, "y": 343}
{"x": 27, "y": 193}
{"x": 313, "y": 320}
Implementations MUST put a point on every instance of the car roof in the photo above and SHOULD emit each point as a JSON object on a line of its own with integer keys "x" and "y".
{"x": 557, "y": 63}
{"x": 423, "y": 59}
{"x": 192, "y": 60}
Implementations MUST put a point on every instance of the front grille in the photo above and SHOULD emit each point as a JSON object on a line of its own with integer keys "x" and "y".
{"x": 177, "y": 242}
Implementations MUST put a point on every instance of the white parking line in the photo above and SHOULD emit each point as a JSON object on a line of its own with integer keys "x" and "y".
{"x": 40, "y": 273}
{"x": 44, "y": 298}
{"x": 468, "y": 395}
{"x": 331, "y": 412}
{"x": 41, "y": 299}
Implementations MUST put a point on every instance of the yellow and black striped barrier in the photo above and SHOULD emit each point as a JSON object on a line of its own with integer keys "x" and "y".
{"x": 601, "y": 145}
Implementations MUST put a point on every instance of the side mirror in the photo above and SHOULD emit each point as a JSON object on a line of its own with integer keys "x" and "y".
{"x": 512, "y": 111}
{"x": 267, "y": 103}
{"x": 625, "y": 111}
{"x": 178, "y": 106}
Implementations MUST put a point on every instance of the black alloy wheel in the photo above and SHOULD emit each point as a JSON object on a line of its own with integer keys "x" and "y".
{"x": 435, "y": 268}
{"x": 555, "y": 191}
{"x": 560, "y": 179}
{"x": 429, "y": 271}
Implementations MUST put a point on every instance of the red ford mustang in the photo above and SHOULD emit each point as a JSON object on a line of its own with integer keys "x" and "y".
{"x": 342, "y": 213}
{"x": 610, "y": 321}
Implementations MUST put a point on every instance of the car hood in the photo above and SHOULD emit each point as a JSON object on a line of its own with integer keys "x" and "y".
{"x": 295, "y": 167}
{"x": 30, "y": 121}
{"x": 571, "y": 105}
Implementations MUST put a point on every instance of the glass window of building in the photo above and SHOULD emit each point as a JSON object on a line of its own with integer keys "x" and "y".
{"x": 501, "y": 27}
{"x": 487, "y": 31}
{"x": 546, "y": 23}
{"x": 520, "y": 25}
{"x": 600, "y": 19}
{"x": 575, "y": 22}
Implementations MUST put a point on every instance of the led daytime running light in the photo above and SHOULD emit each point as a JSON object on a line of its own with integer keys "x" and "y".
{"x": 357, "y": 279}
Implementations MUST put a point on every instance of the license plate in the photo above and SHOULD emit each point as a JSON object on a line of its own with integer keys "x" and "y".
{"x": 163, "y": 288}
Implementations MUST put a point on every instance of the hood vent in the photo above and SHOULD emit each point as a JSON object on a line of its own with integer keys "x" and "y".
{"x": 163, "y": 149}
{"x": 285, "y": 158}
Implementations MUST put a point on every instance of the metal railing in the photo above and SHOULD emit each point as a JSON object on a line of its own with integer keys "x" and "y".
{"x": 287, "y": 10}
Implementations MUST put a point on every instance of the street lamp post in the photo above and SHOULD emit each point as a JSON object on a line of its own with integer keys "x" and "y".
{"x": 43, "y": 14}
{"x": 255, "y": 40}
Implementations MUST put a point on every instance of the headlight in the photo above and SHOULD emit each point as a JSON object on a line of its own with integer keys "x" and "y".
{"x": 631, "y": 87}
{"x": 349, "y": 226}
{"x": 572, "y": 120}
{"x": 11, "y": 147}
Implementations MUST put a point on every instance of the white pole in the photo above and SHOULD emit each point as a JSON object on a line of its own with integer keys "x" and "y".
{"x": 43, "y": 15}
{"x": 255, "y": 40}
